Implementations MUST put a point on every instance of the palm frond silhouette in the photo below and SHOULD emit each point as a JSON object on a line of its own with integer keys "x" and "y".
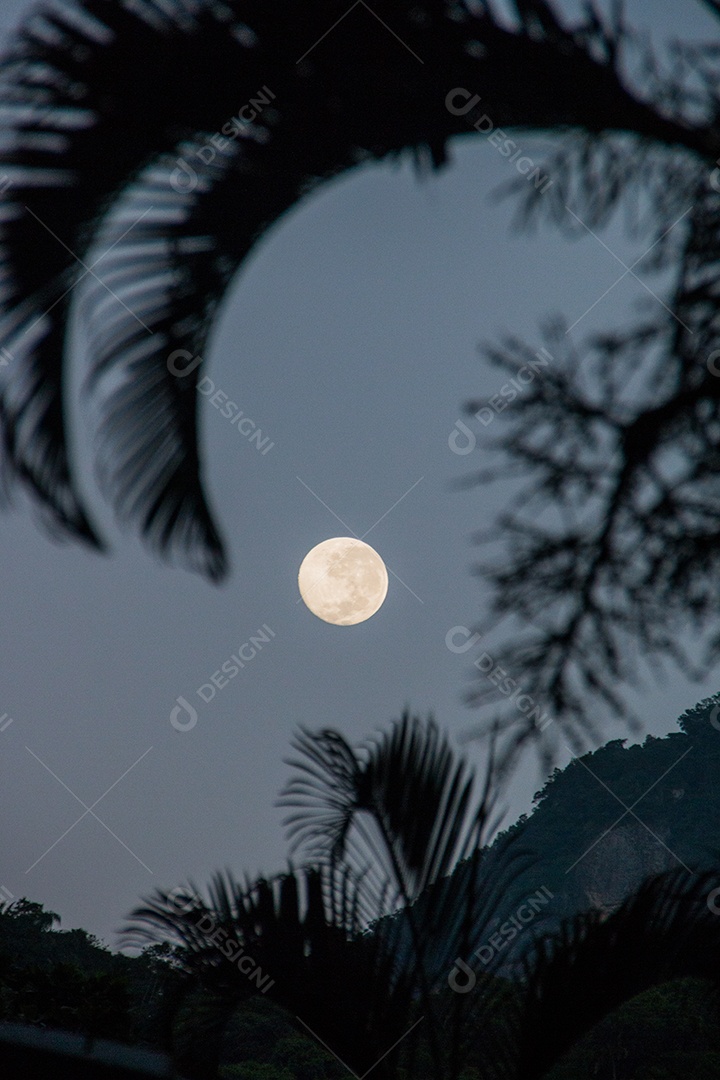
{"x": 362, "y": 943}
{"x": 133, "y": 160}
{"x": 359, "y": 941}
{"x": 106, "y": 105}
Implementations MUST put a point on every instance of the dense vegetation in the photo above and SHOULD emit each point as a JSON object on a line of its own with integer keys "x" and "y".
{"x": 69, "y": 979}
{"x": 588, "y": 850}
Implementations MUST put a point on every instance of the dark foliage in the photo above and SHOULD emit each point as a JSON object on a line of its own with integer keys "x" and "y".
{"x": 613, "y": 817}
{"x": 667, "y": 1033}
{"x": 625, "y": 995}
{"x": 361, "y": 993}
{"x": 68, "y": 979}
{"x": 105, "y": 101}
{"x": 394, "y": 829}
{"x": 608, "y": 554}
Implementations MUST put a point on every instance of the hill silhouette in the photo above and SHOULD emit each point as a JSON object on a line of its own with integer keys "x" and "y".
{"x": 607, "y": 821}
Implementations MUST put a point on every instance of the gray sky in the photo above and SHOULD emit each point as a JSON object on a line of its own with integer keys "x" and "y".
{"x": 350, "y": 338}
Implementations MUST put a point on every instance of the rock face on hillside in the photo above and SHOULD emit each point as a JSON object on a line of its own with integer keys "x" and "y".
{"x": 618, "y": 863}
{"x": 602, "y": 825}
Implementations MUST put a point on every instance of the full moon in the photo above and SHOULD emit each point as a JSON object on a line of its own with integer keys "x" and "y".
{"x": 343, "y": 581}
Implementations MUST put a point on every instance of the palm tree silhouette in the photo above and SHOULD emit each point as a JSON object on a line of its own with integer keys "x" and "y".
{"x": 366, "y": 943}
{"x": 115, "y": 112}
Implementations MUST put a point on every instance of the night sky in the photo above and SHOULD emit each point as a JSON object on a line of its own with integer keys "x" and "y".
{"x": 351, "y": 338}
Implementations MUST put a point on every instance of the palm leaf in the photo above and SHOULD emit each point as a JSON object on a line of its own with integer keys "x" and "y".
{"x": 419, "y": 796}
{"x": 90, "y": 162}
{"x": 105, "y": 103}
{"x": 664, "y": 931}
{"x": 406, "y": 811}
{"x": 303, "y": 930}
{"x": 75, "y": 87}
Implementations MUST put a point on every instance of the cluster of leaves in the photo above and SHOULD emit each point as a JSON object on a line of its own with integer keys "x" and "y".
{"x": 363, "y": 939}
{"x": 608, "y": 555}
{"x": 65, "y": 997}
{"x": 667, "y": 1033}
{"x": 367, "y": 941}
{"x": 613, "y": 817}
{"x": 70, "y": 980}
{"x": 612, "y": 545}
{"x": 262, "y": 1043}
{"x": 366, "y": 864}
